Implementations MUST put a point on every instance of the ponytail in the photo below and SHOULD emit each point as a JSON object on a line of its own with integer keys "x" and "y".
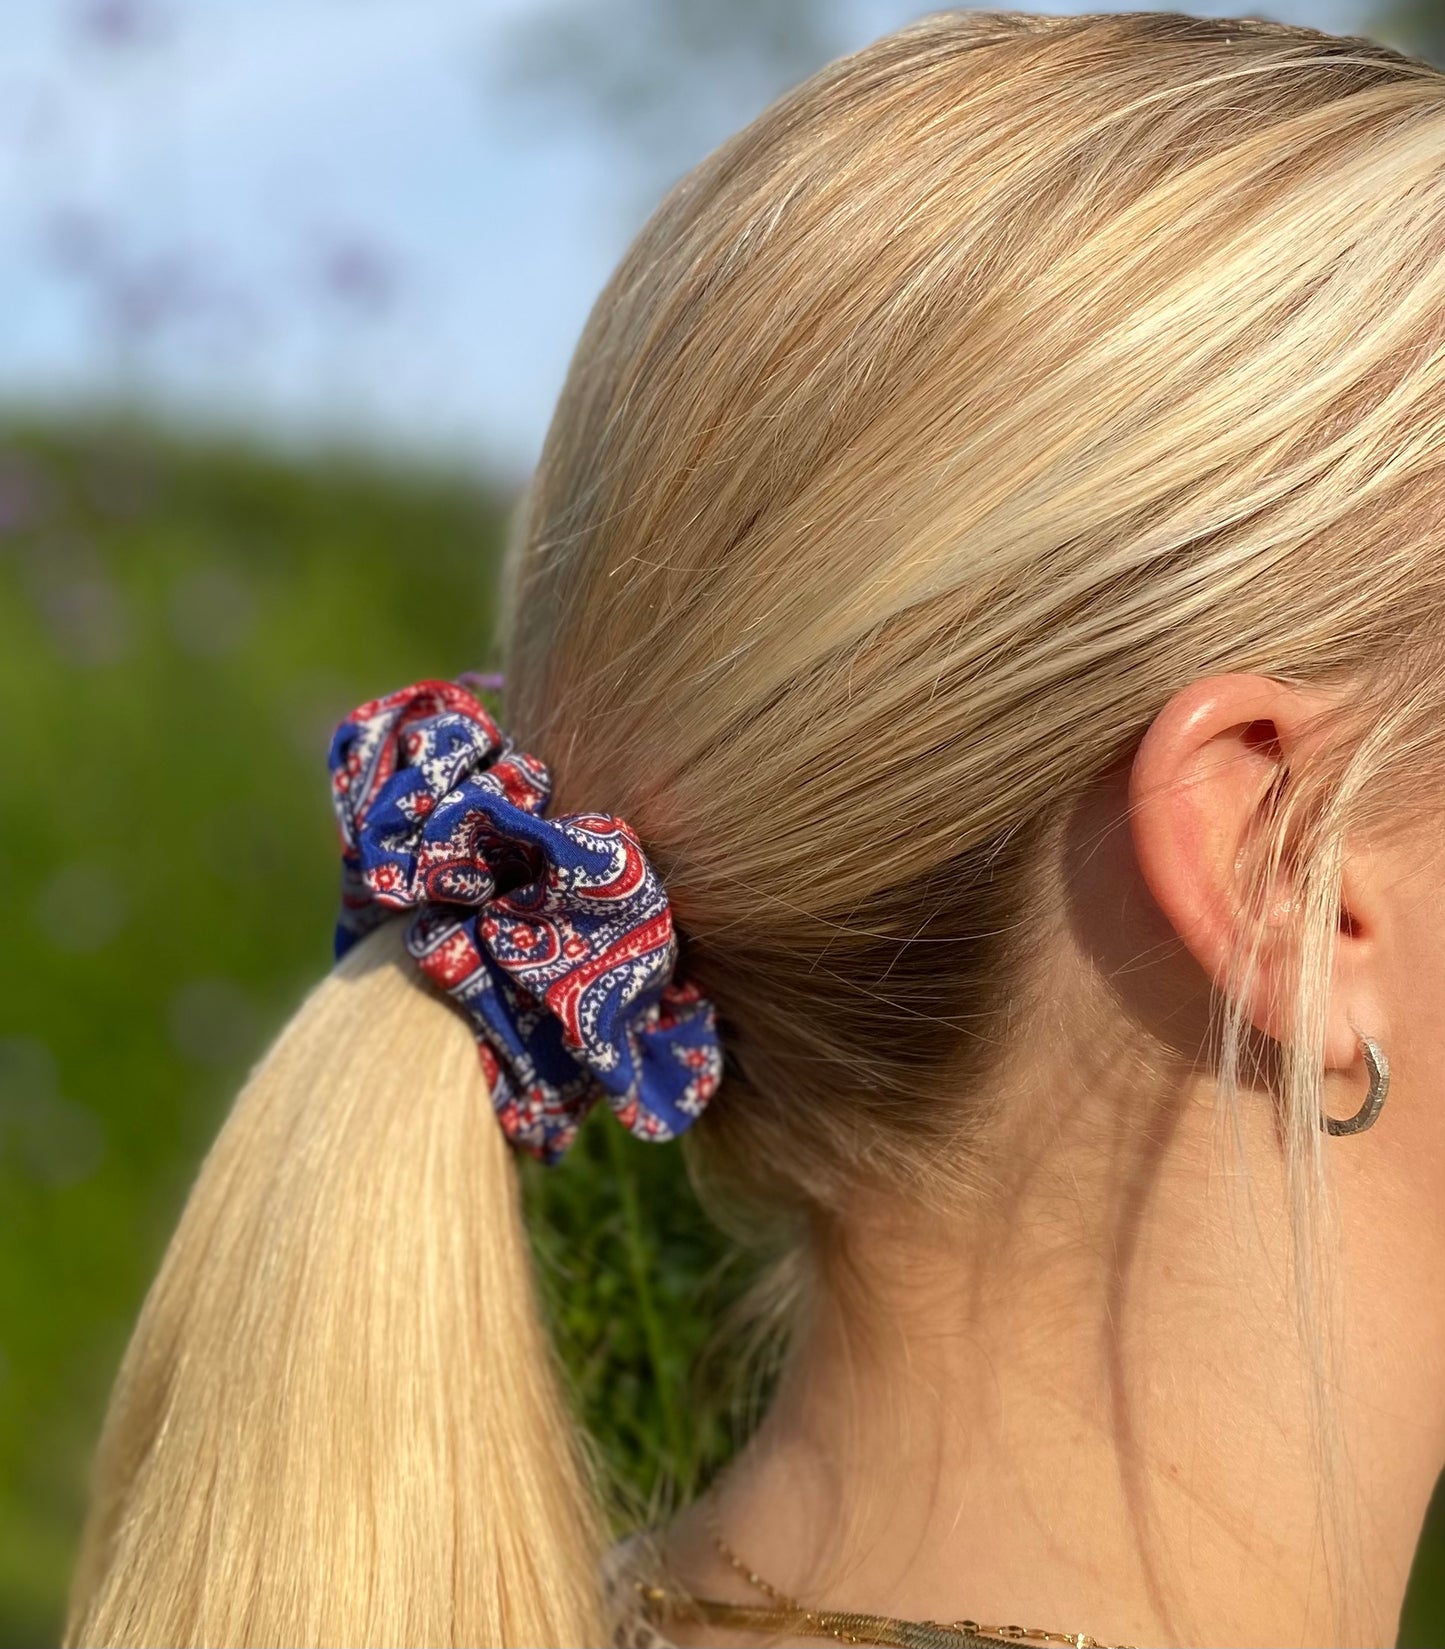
{"x": 339, "y": 1420}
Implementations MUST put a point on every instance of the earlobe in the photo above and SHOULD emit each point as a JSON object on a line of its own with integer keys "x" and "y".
{"x": 1360, "y": 1012}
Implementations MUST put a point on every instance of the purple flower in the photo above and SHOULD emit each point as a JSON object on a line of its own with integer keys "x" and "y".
{"x": 359, "y": 275}
{"x": 120, "y": 24}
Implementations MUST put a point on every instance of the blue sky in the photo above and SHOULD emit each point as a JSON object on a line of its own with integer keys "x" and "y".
{"x": 322, "y": 217}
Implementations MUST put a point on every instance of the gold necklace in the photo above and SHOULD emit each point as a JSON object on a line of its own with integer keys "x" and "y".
{"x": 847, "y": 1626}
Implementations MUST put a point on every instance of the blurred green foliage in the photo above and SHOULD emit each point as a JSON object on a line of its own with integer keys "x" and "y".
{"x": 1416, "y": 27}
{"x": 181, "y": 626}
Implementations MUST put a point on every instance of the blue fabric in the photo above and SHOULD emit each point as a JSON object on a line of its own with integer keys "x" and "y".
{"x": 554, "y": 936}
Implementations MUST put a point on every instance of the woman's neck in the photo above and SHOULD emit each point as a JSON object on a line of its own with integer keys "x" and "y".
{"x": 1089, "y": 1407}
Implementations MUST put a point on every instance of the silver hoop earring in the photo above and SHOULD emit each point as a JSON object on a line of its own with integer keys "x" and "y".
{"x": 1379, "y": 1087}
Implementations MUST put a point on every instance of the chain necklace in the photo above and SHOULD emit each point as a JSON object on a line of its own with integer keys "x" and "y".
{"x": 847, "y": 1626}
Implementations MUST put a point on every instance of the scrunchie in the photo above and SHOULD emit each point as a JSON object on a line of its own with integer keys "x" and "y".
{"x": 554, "y": 936}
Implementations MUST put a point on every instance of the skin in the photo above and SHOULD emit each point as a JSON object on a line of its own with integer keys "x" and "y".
{"x": 1085, "y": 1403}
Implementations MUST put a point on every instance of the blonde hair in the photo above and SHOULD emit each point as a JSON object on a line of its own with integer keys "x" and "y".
{"x": 989, "y": 387}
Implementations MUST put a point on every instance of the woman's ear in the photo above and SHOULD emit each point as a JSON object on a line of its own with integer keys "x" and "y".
{"x": 1205, "y": 781}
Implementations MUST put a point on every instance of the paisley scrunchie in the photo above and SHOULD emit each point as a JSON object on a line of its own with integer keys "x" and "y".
{"x": 554, "y": 936}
